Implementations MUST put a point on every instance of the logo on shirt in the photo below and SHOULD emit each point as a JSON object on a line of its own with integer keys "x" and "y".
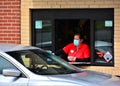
{"x": 71, "y": 51}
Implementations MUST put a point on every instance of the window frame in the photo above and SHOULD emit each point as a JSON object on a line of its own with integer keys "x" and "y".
{"x": 92, "y": 14}
{"x": 92, "y": 59}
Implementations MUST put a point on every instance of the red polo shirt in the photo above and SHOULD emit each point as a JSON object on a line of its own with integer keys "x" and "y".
{"x": 81, "y": 53}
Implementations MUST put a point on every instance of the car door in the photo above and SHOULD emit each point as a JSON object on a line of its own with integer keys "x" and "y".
{"x": 7, "y": 74}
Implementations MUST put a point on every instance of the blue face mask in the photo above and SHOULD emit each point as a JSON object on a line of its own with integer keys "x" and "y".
{"x": 76, "y": 42}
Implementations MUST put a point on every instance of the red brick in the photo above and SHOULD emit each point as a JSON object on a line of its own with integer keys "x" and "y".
{"x": 11, "y": 28}
{"x": 1, "y": 38}
{"x": 3, "y": 41}
{"x": 3, "y": 27}
{"x": 15, "y": 42}
{"x": 3, "y": 20}
{"x": 7, "y": 17}
{"x": 7, "y": 38}
{"x": 15, "y": 38}
{"x": 17, "y": 10}
{"x": 7, "y": 10}
{"x": 14, "y": 7}
{"x": 7, "y": 24}
{"x": 1, "y": 10}
{"x": 11, "y": 20}
{"x": 15, "y": 24}
{"x": 7, "y": 31}
{"x": 17, "y": 35}
{"x": 15, "y": 31}
{"x": 16, "y": 3}
{"x": 11, "y": 34}
{"x": 3, "y": 14}
{"x": 13, "y": 0}
{"x": 15, "y": 17}
{"x": 1, "y": 3}
{"x": 3, "y": 6}
{"x": 1, "y": 35}
{"x": 7, "y": 3}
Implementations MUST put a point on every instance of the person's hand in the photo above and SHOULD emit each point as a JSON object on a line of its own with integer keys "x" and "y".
{"x": 71, "y": 58}
{"x": 53, "y": 53}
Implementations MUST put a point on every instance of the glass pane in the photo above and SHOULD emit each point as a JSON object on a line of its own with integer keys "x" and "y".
{"x": 4, "y": 64}
{"x": 103, "y": 42}
{"x": 43, "y": 34}
{"x": 43, "y": 63}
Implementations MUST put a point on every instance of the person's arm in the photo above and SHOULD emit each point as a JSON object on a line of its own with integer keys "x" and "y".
{"x": 64, "y": 50}
{"x": 86, "y": 59}
{"x": 83, "y": 60}
{"x": 59, "y": 52}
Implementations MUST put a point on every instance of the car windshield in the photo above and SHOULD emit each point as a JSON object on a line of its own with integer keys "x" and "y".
{"x": 43, "y": 63}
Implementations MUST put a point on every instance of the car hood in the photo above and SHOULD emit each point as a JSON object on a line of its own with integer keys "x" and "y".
{"x": 90, "y": 78}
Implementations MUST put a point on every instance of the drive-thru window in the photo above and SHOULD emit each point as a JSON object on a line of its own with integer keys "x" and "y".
{"x": 52, "y": 29}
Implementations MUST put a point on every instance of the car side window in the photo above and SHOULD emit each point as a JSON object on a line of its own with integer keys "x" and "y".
{"x": 5, "y": 64}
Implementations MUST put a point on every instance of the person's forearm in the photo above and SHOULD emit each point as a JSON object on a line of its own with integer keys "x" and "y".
{"x": 59, "y": 52}
{"x": 87, "y": 59}
{"x": 83, "y": 60}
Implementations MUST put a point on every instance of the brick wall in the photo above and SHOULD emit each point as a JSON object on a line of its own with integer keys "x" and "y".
{"x": 10, "y": 21}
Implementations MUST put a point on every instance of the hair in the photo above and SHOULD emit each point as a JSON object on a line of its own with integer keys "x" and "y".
{"x": 81, "y": 36}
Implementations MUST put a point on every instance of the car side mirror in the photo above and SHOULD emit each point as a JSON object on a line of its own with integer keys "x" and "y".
{"x": 11, "y": 72}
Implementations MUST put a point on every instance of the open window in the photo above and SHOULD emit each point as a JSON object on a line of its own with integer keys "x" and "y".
{"x": 52, "y": 29}
{"x": 65, "y": 30}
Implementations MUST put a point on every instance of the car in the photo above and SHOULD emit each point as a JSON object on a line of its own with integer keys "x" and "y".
{"x": 32, "y": 66}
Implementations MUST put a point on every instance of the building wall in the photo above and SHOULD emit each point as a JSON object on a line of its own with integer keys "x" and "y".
{"x": 10, "y": 21}
{"x": 26, "y": 5}
{"x": 15, "y": 22}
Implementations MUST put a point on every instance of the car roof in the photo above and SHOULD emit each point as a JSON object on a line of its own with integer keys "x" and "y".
{"x": 4, "y": 47}
{"x": 102, "y": 44}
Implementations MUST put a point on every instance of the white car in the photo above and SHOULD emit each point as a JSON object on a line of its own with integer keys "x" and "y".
{"x": 32, "y": 66}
